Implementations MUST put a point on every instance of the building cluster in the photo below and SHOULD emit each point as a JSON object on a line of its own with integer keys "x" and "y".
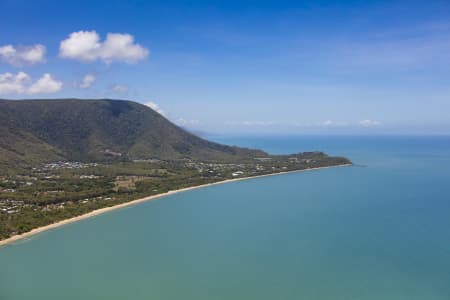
{"x": 11, "y": 206}
{"x": 66, "y": 165}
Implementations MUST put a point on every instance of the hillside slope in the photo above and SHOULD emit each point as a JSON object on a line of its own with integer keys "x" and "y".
{"x": 39, "y": 131}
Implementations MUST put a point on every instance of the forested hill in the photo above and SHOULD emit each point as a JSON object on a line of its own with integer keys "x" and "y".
{"x": 39, "y": 131}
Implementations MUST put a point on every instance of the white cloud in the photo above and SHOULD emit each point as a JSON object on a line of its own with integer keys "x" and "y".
{"x": 88, "y": 80}
{"x": 369, "y": 123}
{"x": 23, "y": 55}
{"x": 13, "y": 84}
{"x": 331, "y": 123}
{"x": 179, "y": 121}
{"x": 45, "y": 85}
{"x": 22, "y": 84}
{"x": 300, "y": 124}
{"x": 117, "y": 47}
{"x": 81, "y": 45}
{"x": 119, "y": 88}
{"x": 184, "y": 122}
{"x": 328, "y": 123}
{"x": 251, "y": 123}
{"x": 155, "y": 107}
{"x": 258, "y": 123}
{"x": 121, "y": 47}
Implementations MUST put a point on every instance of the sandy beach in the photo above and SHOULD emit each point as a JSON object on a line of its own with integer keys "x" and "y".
{"x": 137, "y": 201}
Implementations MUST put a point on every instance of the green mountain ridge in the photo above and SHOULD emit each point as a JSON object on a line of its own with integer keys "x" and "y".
{"x": 40, "y": 131}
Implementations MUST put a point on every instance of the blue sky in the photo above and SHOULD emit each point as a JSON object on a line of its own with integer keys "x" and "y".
{"x": 240, "y": 67}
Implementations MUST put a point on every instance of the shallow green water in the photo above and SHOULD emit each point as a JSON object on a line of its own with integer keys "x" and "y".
{"x": 375, "y": 232}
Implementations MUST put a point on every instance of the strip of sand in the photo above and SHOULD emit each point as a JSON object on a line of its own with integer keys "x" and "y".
{"x": 96, "y": 212}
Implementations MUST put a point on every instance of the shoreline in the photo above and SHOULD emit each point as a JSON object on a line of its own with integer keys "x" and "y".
{"x": 100, "y": 211}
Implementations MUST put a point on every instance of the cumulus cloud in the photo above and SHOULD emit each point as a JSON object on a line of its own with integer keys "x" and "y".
{"x": 328, "y": 123}
{"x": 45, "y": 85}
{"x": 88, "y": 80}
{"x": 155, "y": 107}
{"x": 185, "y": 122}
{"x": 22, "y": 55}
{"x": 252, "y": 123}
{"x": 331, "y": 123}
{"x": 117, "y": 47}
{"x": 119, "y": 88}
{"x": 369, "y": 123}
{"x": 13, "y": 84}
{"x": 179, "y": 121}
{"x": 363, "y": 123}
{"x": 257, "y": 123}
{"x": 21, "y": 83}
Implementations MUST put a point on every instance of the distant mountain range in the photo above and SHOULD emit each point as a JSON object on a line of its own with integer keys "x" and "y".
{"x": 39, "y": 131}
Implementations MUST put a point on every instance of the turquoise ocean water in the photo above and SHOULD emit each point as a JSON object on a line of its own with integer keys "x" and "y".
{"x": 376, "y": 231}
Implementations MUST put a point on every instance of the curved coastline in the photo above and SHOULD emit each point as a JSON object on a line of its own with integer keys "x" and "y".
{"x": 100, "y": 211}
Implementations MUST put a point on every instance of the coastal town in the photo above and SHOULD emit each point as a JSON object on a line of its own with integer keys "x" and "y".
{"x": 54, "y": 191}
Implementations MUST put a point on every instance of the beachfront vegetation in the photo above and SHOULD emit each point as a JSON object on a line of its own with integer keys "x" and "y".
{"x": 61, "y": 190}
